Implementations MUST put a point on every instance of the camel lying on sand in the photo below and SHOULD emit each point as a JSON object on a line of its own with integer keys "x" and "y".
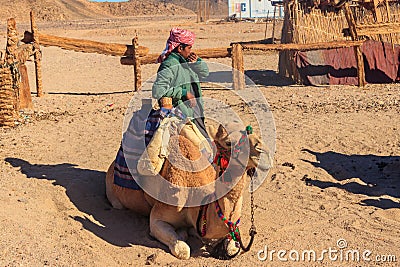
{"x": 168, "y": 223}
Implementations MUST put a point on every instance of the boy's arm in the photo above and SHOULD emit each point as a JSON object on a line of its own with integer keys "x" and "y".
{"x": 162, "y": 85}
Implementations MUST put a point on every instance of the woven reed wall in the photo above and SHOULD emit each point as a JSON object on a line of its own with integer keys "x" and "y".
{"x": 317, "y": 26}
{"x": 313, "y": 26}
{"x": 8, "y": 98}
{"x": 389, "y": 12}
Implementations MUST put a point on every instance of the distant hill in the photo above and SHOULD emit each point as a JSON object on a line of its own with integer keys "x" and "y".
{"x": 54, "y": 10}
{"x": 219, "y": 8}
{"x": 143, "y": 7}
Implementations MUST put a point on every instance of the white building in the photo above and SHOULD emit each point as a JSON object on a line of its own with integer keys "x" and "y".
{"x": 253, "y": 9}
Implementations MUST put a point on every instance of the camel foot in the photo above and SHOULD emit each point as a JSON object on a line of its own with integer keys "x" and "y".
{"x": 181, "y": 250}
{"x": 231, "y": 248}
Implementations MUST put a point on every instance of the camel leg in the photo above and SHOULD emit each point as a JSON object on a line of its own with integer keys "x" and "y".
{"x": 125, "y": 198}
{"x": 193, "y": 233}
{"x": 166, "y": 234}
{"x": 183, "y": 234}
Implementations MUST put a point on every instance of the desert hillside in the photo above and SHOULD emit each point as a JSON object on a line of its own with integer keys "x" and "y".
{"x": 55, "y": 10}
{"x": 218, "y": 8}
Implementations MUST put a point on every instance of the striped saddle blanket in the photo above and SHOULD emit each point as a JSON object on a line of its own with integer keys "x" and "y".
{"x": 140, "y": 131}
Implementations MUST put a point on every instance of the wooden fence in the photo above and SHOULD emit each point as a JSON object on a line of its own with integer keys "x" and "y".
{"x": 14, "y": 85}
{"x": 136, "y": 55}
{"x": 15, "y": 56}
{"x": 133, "y": 54}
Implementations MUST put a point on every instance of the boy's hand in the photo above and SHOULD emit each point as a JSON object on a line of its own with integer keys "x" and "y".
{"x": 192, "y": 99}
{"x": 192, "y": 57}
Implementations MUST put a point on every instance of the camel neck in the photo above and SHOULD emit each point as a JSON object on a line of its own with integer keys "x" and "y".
{"x": 230, "y": 206}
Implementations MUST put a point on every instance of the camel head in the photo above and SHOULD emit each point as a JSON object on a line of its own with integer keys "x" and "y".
{"x": 245, "y": 153}
{"x": 252, "y": 152}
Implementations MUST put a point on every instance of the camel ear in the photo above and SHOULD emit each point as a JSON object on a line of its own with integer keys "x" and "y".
{"x": 259, "y": 147}
{"x": 217, "y": 134}
{"x": 212, "y": 131}
{"x": 221, "y": 133}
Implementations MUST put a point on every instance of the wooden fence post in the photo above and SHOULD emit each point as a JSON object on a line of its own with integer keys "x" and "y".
{"x": 357, "y": 49}
{"x": 25, "y": 98}
{"x": 37, "y": 56}
{"x": 16, "y": 57}
{"x": 137, "y": 71}
{"x": 360, "y": 66}
{"x": 238, "y": 67}
{"x": 11, "y": 55}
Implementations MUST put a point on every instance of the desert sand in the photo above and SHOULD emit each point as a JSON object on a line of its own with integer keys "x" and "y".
{"x": 336, "y": 175}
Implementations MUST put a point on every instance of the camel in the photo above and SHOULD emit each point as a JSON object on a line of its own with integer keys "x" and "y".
{"x": 171, "y": 224}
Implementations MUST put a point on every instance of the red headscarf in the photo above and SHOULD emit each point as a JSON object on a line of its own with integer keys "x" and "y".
{"x": 176, "y": 37}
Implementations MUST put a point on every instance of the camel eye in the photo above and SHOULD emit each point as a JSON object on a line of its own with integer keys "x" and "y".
{"x": 228, "y": 143}
{"x": 259, "y": 148}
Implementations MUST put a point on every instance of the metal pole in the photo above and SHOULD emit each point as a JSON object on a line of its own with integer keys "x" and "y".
{"x": 266, "y": 26}
{"x": 273, "y": 27}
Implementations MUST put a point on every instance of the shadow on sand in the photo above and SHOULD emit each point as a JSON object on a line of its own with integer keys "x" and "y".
{"x": 268, "y": 78}
{"x": 380, "y": 176}
{"x": 86, "y": 190}
{"x": 253, "y": 77}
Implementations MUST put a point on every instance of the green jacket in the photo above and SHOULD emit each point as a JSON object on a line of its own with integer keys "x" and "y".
{"x": 174, "y": 79}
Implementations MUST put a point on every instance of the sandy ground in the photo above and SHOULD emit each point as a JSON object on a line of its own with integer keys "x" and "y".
{"x": 336, "y": 174}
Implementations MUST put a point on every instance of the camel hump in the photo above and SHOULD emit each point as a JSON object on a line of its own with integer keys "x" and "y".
{"x": 186, "y": 165}
{"x": 180, "y": 146}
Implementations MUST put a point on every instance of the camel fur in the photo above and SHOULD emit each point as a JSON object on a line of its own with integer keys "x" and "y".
{"x": 167, "y": 222}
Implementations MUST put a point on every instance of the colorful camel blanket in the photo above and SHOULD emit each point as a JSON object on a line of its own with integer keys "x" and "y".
{"x": 140, "y": 131}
